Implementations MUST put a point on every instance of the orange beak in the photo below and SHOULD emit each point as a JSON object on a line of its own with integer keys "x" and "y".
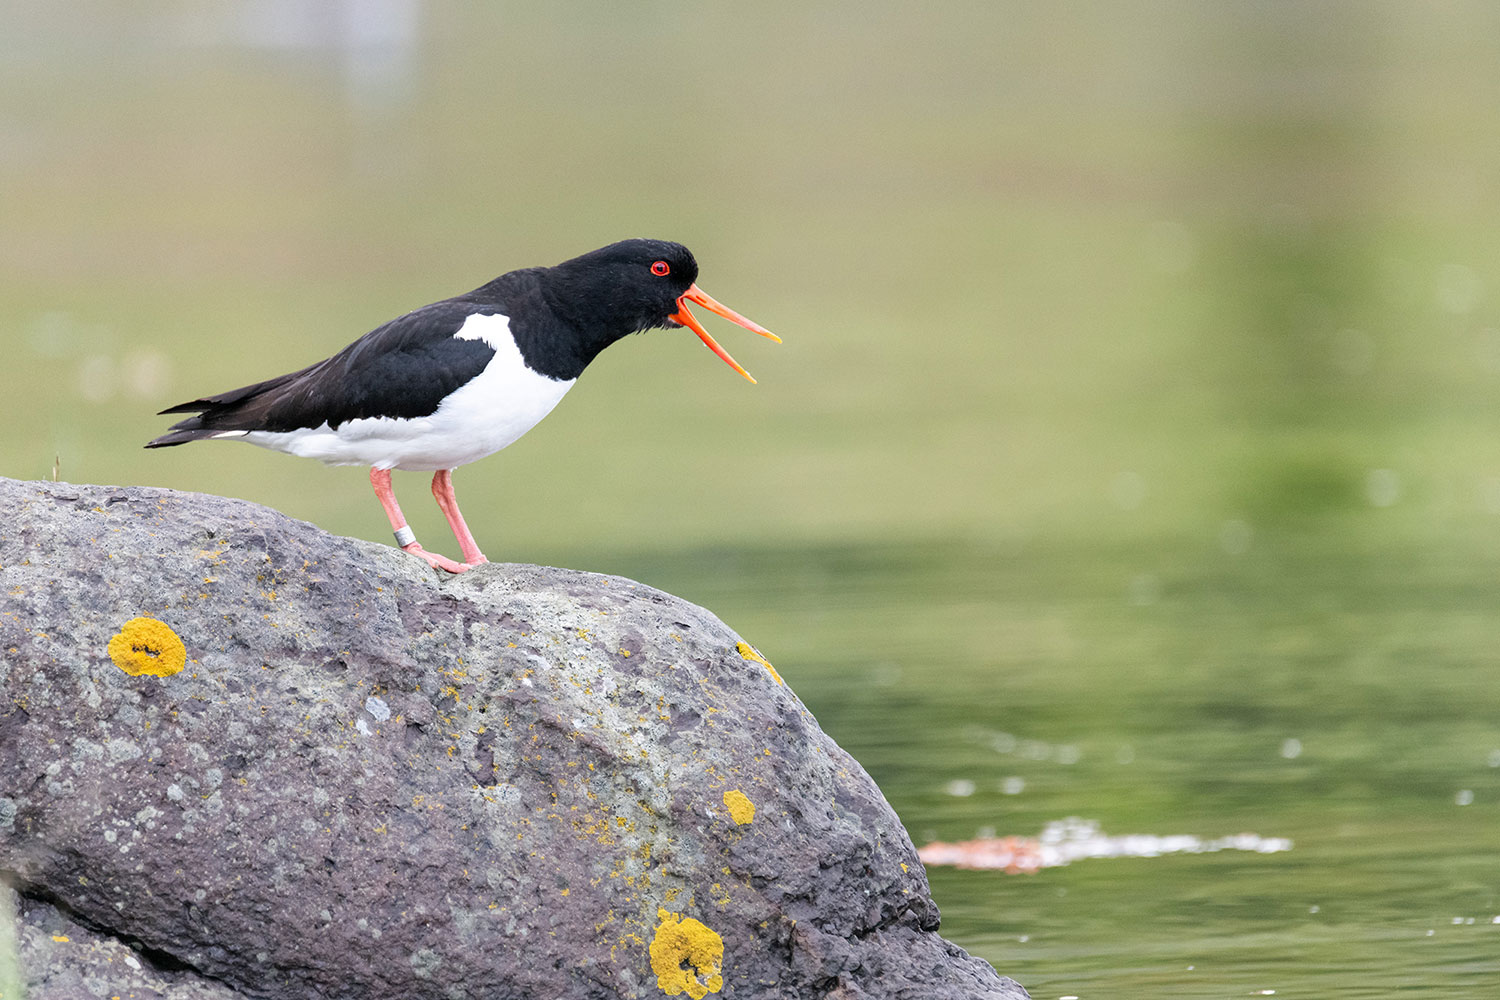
{"x": 687, "y": 319}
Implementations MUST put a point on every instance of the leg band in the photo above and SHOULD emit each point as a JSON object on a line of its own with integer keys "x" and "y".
{"x": 405, "y": 536}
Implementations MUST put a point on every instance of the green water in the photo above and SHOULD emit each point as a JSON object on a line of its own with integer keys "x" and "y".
{"x": 1133, "y": 453}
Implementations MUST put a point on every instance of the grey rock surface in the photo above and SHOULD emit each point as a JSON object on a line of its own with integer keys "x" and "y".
{"x": 372, "y": 780}
{"x": 68, "y": 961}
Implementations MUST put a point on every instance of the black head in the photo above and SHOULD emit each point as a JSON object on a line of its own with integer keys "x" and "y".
{"x": 623, "y": 288}
{"x": 612, "y": 292}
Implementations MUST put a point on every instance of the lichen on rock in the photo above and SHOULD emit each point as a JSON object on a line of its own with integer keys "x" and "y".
{"x": 741, "y": 809}
{"x": 147, "y": 646}
{"x": 752, "y": 654}
{"x": 686, "y": 955}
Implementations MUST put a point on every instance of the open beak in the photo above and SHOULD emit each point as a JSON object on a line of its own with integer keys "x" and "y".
{"x": 687, "y": 319}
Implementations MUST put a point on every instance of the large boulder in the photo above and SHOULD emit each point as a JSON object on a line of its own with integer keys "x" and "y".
{"x": 249, "y": 758}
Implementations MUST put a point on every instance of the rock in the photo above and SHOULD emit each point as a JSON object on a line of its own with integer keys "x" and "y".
{"x": 264, "y": 761}
{"x": 64, "y": 959}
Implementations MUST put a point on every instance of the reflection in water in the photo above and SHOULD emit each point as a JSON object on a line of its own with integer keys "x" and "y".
{"x": 1067, "y": 840}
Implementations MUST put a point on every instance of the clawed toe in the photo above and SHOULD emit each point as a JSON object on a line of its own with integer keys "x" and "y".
{"x": 437, "y": 561}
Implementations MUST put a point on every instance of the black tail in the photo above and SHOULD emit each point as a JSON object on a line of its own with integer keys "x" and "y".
{"x": 182, "y": 435}
{"x": 242, "y": 409}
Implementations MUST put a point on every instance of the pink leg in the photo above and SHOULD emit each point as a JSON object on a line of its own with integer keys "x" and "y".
{"x": 442, "y": 489}
{"x": 381, "y": 480}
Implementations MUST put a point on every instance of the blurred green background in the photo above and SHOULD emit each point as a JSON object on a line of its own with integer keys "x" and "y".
{"x": 1133, "y": 452}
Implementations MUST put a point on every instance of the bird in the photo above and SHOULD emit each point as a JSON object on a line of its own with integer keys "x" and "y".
{"x": 460, "y": 379}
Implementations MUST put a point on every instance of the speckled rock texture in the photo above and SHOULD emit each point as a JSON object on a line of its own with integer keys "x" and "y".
{"x": 65, "y": 959}
{"x": 372, "y": 780}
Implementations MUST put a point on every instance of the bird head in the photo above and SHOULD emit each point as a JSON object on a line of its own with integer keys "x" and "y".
{"x": 637, "y": 285}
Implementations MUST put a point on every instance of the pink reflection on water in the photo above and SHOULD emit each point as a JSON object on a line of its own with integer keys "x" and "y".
{"x": 1064, "y": 841}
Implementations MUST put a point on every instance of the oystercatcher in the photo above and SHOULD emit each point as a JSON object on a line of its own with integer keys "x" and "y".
{"x": 460, "y": 379}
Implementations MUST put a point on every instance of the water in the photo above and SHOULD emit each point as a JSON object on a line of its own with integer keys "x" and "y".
{"x": 1132, "y": 454}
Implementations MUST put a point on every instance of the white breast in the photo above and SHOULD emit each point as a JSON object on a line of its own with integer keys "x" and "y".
{"x": 492, "y": 411}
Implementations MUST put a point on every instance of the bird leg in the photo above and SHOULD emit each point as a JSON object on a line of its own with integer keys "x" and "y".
{"x": 442, "y": 490}
{"x": 405, "y": 538}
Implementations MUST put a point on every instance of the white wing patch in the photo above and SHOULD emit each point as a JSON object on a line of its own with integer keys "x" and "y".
{"x": 486, "y": 414}
{"x": 493, "y": 329}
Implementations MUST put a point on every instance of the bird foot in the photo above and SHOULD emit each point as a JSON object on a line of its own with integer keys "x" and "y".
{"x": 439, "y": 562}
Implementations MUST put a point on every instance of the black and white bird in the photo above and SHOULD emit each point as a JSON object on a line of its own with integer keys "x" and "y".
{"x": 460, "y": 379}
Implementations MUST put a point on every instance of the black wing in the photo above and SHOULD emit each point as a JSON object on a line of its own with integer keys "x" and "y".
{"x": 402, "y": 369}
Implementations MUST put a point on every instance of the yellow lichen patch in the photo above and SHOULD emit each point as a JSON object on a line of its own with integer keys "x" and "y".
{"x": 741, "y": 809}
{"x": 748, "y": 652}
{"x": 147, "y": 646}
{"x": 682, "y": 943}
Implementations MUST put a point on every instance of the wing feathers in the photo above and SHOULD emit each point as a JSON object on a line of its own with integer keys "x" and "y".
{"x": 402, "y": 369}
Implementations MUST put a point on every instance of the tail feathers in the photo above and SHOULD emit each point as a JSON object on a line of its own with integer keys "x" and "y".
{"x": 196, "y": 406}
{"x": 228, "y": 414}
{"x": 232, "y": 398}
{"x": 217, "y": 419}
{"x": 180, "y": 437}
{"x": 192, "y": 429}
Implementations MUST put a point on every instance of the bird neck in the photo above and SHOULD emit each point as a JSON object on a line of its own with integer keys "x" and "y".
{"x": 556, "y": 337}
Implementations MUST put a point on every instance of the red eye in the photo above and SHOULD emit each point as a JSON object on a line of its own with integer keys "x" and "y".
{"x": 661, "y": 268}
